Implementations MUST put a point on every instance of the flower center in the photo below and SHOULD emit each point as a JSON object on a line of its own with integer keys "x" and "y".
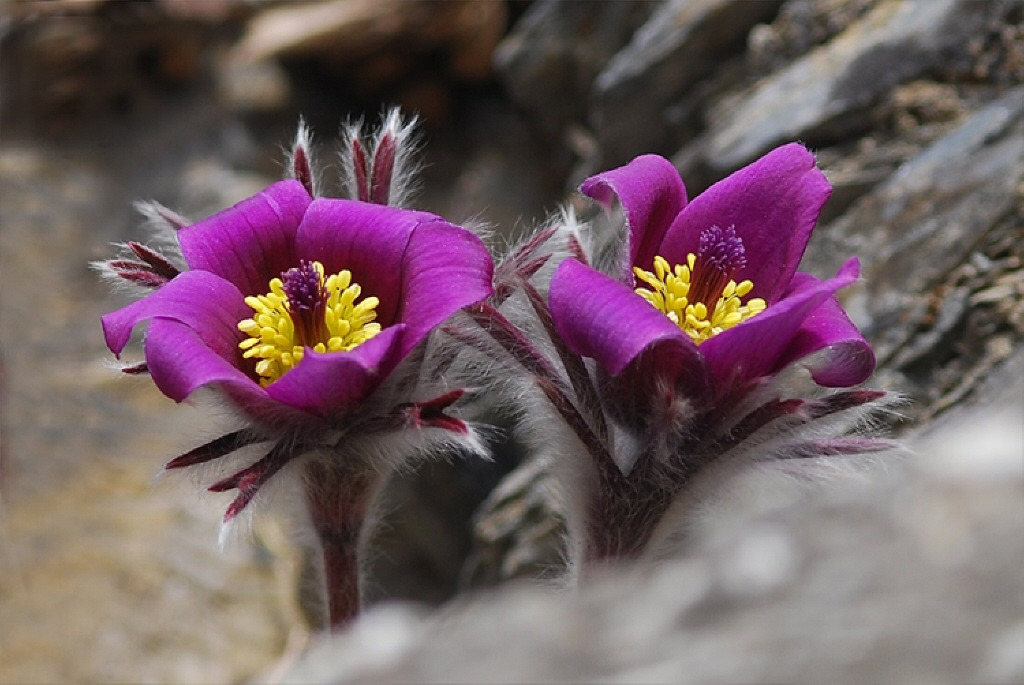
{"x": 303, "y": 309}
{"x": 701, "y": 296}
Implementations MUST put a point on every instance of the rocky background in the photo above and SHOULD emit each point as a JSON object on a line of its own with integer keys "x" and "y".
{"x": 916, "y": 111}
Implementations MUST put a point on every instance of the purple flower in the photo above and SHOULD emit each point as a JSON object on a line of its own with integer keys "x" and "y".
{"x": 729, "y": 307}
{"x": 299, "y": 308}
{"x": 311, "y": 317}
{"x": 690, "y": 350}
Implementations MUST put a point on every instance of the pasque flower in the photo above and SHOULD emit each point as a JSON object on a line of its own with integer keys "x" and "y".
{"x": 298, "y": 308}
{"x": 729, "y": 306}
{"x": 310, "y": 315}
{"x": 696, "y": 343}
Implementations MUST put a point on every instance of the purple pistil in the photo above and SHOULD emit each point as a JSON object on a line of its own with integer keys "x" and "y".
{"x": 719, "y": 257}
{"x": 307, "y": 300}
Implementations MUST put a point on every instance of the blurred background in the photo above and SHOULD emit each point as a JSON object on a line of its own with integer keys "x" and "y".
{"x": 110, "y": 573}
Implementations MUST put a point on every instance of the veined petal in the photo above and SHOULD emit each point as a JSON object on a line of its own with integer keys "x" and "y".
{"x": 181, "y": 362}
{"x": 764, "y": 344}
{"x": 773, "y": 205}
{"x": 651, "y": 193}
{"x": 367, "y": 239}
{"x": 445, "y": 269}
{"x": 841, "y": 355}
{"x": 251, "y": 242}
{"x": 332, "y": 382}
{"x": 601, "y": 318}
{"x": 203, "y": 301}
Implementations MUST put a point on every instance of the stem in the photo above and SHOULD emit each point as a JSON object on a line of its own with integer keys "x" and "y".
{"x": 623, "y": 510}
{"x": 620, "y": 522}
{"x": 339, "y": 499}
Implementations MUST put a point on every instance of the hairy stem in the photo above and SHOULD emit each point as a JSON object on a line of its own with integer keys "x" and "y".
{"x": 339, "y": 499}
{"x": 621, "y": 516}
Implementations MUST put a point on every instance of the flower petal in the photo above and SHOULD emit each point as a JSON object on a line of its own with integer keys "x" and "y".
{"x": 601, "y": 318}
{"x": 841, "y": 356}
{"x": 651, "y": 193}
{"x": 773, "y": 205}
{"x": 367, "y": 239}
{"x": 329, "y": 383}
{"x": 445, "y": 269}
{"x": 251, "y": 242}
{"x": 204, "y": 302}
{"x": 181, "y": 362}
{"x": 764, "y": 344}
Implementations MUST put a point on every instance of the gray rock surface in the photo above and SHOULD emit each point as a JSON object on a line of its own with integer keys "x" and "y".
{"x": 642, "y": 96}
{"x": 826, "y": 94}
{"x": 961, "y": 202}
{"x": 548, "y": 75}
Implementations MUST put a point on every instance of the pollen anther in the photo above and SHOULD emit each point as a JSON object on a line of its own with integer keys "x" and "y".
{"x": 305, "y": 310}
{"x": 668, "y": 288}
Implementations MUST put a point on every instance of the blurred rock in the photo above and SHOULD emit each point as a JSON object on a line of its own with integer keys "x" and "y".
{"x": 424, "y": 534}
{"x": 644, "y": 94}
{"x": 106, "y": 573}
{"x": 556, "y": 50}
{"x": 411, "y": 52}
{"x": 909, "y": 119}
{"x": 519, "y": 529}
{"x": 71, "y": 61}
{"x": 800, "y": 26}
{"x": 912, "y": 577}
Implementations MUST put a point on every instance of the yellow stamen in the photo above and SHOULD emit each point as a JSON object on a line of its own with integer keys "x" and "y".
{"x": 668, "y": 289}
{"x": 278, "y": 344}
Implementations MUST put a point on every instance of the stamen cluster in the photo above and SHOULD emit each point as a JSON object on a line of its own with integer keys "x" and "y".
{"x": 305, "y": 310}
{"x": 671, "y": 290}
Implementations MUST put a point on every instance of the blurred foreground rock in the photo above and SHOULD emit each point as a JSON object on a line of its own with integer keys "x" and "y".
{"x": 911, "y": 577}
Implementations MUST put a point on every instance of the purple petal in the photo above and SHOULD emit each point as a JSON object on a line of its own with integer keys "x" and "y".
{"x": 204, "y": 302}
{"x": 445, "y": 269}
{"x": 841, "y": 355}
{"x": 331, "y": 382}
{"x": 773, "y": 204}
{"x": 599, "y": 317}
{"x": 181, "y": 362}
{"x": 320, "y": 385}
{"x": 251, "y": 242}
{"x": 367, "y": 239}
{"x": 651, "y": 194}
{"x": 764, "y": 344}
{"x": 193, "y": 339}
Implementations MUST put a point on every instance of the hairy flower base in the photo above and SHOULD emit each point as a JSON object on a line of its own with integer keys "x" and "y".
{"x": 304, "y": 310}
{"x": 670, "y": 291}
